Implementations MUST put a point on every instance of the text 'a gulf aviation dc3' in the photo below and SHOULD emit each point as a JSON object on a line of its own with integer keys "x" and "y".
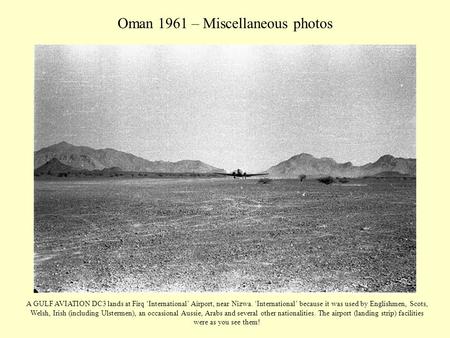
{"x": 241, "y": 174}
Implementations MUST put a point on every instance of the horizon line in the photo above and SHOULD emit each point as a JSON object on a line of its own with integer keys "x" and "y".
{"x": 298, "y": 154}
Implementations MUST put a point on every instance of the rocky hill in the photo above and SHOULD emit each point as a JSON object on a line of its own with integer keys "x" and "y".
{"x": 316, "y": 167}
{"x": 53, "y": 167}
{"x": 389, "y": 163}
{"x": 79, "y": 157}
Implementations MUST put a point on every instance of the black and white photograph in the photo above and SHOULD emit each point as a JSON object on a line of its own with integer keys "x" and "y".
{"x": 225, "y": 168}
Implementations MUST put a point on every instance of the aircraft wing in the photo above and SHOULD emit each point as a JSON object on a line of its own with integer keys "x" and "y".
{"x": 262, "y": 174}
{"x": 223, "y": 174}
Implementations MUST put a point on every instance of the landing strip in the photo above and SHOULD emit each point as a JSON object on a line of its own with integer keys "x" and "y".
{"x": 224, "y": 235}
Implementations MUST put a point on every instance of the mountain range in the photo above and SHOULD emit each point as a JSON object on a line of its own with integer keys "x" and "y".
{"x": 80, "y": 157}
{"x": 65, "y": 156}
{"x": 311, "y": 166}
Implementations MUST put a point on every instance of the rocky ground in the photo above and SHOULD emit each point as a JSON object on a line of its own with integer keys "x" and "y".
{"x": 225, "y": 235}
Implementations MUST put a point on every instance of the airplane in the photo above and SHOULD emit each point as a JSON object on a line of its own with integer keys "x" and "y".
{"x": 241, "y": 174}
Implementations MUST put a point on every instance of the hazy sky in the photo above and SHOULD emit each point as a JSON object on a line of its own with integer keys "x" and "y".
{"x": 232, "y": 107}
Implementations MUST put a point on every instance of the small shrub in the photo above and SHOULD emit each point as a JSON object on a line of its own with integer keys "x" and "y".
{"x": 343, "y": 179}
{"x": 326, "y": 180}
{"x": 264, "y": 180}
